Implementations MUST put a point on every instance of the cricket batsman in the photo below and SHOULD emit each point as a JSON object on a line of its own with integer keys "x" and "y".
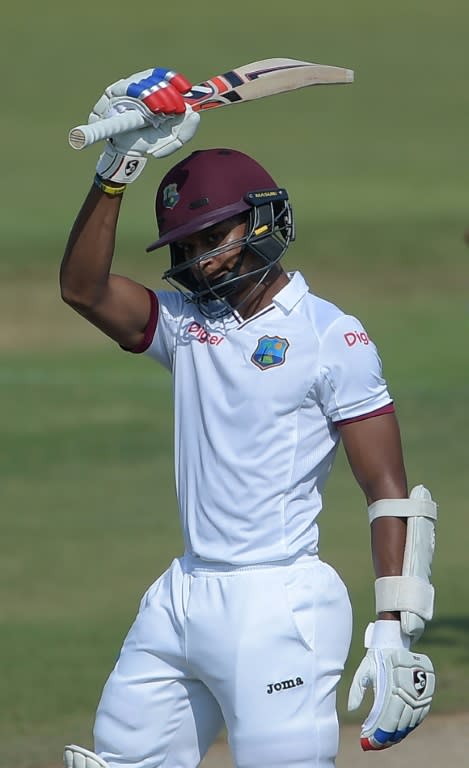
{"x": 248, "y": 627}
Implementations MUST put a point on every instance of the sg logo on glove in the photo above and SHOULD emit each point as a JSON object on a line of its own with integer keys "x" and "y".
{"x": 420, "y": 681}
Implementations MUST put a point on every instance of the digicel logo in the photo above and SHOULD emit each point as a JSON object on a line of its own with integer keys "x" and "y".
{"x": 354, "y": 337}
{"x": 197, "y": 330}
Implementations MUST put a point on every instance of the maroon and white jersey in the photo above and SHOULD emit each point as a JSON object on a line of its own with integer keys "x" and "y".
{"x": 257, "y": 403}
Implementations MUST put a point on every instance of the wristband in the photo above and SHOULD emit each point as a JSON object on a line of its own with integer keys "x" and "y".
{"x": 386, "y": 634}
{"x": 107, "y": 188}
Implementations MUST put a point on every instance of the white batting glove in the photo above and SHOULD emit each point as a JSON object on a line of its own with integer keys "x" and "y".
{"x": 158, "y": 94}
{"x": 79, "y": 757}
{"x": 403, "y": 683}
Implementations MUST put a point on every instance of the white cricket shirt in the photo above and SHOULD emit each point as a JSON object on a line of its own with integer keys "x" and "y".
{"x": 255, "y": 407}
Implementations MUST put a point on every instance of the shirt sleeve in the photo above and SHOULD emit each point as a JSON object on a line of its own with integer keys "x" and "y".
{"x": 150, "y": 328}
{"x": 350, "y": 382}
{"x": 161, "y": 332}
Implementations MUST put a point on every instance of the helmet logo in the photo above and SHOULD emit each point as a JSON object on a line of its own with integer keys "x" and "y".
{"x": 171, "y": 196}
{"x": 270, "y": 352}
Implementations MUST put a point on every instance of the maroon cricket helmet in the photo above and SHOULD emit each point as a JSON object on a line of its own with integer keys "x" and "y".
{"x": 205, "y": 188}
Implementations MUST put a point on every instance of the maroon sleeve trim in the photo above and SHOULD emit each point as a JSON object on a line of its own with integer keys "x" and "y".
{"x": 378, "y": 412}
{"x": 150, "y": 329}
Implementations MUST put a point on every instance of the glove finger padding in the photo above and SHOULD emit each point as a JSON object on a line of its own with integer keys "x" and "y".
{"x": 79, "y": 757}
{"x": 403, "y": 683}
{"x": 167, "y": 134}
{"x": 151, "y": 91}
{"x": 170, "y": 123}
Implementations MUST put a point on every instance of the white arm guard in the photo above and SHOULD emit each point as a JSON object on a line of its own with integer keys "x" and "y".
{"x": 412, "y": 593}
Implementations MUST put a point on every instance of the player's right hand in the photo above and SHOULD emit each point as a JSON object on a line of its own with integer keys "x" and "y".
{"x": 158, "y": 94}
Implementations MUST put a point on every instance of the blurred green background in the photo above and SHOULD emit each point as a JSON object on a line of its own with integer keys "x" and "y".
{"x": 378, "y": 174}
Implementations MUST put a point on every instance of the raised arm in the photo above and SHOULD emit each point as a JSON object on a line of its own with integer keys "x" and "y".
{"x": 118, "y": 306}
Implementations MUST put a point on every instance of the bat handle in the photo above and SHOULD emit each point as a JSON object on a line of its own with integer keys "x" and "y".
{"x": 84, "y": 135}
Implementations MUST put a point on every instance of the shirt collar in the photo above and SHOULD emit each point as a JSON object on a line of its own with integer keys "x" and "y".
{"x": 289, "y": 296}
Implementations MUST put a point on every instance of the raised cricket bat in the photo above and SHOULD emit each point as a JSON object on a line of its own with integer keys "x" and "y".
{"x": 251, "y": 81}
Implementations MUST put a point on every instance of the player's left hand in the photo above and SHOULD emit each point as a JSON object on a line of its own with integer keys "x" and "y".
{"x": 403, "y": 683}
{"x": 158, "y": 94}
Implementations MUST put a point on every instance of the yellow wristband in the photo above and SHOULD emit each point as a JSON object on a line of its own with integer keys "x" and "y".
{"x": 107, "y": 188}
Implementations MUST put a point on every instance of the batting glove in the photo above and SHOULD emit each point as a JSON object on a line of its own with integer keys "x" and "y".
{"x": 403, "y": 683}
{"x": 158, "y": 94}
{"x": 79, "y": 757}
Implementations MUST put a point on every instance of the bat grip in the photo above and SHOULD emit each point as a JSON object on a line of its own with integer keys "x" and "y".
{"x": 84, "y": 135}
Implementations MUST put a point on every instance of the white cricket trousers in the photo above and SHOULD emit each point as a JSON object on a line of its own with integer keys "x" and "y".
{"x": 259, "y": 649}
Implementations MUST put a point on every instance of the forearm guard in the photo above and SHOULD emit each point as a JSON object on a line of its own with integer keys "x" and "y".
{"x": 411, "y": 593}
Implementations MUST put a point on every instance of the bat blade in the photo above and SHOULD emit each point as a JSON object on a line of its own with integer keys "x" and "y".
{"x": 263, "y": 78}
{"x": 245, "y": 83}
